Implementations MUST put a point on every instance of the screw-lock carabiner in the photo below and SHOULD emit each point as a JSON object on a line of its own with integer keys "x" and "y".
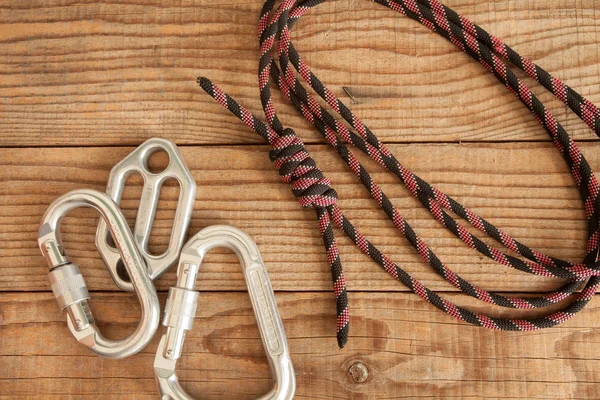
{"x": 181, "y": 309}
{"x": 68, "y": 284}
{"x": 137, "y": 161}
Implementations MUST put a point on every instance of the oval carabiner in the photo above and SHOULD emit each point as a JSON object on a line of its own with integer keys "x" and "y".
{"x": 68, "y": 284}
{"x": 181, "y": 309}
{"x": 137, "y": 161}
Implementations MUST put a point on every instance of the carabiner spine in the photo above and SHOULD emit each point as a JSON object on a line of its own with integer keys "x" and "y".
{"x": 265, "y": 309}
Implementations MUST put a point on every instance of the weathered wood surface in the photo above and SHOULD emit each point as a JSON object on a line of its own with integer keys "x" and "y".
{"x": 536, "y": 202}
{"x": 83, "y": 81}
{"x": 410, "y": 350}
{"x": 96, "y": 73}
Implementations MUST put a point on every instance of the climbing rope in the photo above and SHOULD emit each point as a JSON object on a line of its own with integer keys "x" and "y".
{"x": 314, "y": 190}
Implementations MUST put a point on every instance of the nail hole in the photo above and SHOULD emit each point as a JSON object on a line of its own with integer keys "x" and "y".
{"x": 359, "y": 372}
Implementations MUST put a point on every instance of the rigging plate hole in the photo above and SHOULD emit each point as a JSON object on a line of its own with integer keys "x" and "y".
{"x": 122, "y": 271}
{"x": 157, "y": 161}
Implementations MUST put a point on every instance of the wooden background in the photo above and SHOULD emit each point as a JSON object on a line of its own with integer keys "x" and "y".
{"x": 83, "y": 82}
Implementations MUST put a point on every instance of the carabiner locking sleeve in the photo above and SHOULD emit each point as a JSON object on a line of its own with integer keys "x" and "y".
{"x": 137, "y": 161}
{"x": 181, "y": 309}
{"x": 68, "y": 284}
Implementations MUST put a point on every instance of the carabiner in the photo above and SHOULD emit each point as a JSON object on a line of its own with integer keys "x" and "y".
{"x": 68, "y": 284}
{"x": 137, "y": 161}
{"x": 181, "y": 309}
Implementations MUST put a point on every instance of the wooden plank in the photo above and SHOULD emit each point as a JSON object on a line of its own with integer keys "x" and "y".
{"x": 410, "y": 350}
{"x": 86, "y": 73}
{"x": 524, "y": 188}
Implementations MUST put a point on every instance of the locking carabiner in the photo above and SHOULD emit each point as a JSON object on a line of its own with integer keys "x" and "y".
{"x": 137, "y": 161}
{"x": 68, "y": 284}
{"x": 181, "y": 309}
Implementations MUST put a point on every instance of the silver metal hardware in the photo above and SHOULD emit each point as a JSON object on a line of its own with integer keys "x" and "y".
{"x": 181, "y": 310}
{"x": 69, "y": 287}
{"x": 137, "y": 161}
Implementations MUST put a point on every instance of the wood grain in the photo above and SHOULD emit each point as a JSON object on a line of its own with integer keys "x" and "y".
{"x": 89, "y": 73}
{"x": 524, "y": 188}
{"x": 82, "y": 81}
{"x": 410, "y": 349}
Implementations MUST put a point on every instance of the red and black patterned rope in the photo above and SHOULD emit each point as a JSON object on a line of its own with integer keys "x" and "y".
{"x": 314, "y": 190}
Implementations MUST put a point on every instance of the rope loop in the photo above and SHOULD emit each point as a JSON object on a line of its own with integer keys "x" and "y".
{"x": 281, "y": 64}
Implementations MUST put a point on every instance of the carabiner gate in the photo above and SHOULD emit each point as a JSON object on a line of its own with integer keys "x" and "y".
{"x": 181, "y": 309}
{"x": 137, "y": 161}
{"x": 68, "y": 284}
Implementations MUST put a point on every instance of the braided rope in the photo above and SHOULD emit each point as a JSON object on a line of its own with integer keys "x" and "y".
{"x": 314, "y": 190}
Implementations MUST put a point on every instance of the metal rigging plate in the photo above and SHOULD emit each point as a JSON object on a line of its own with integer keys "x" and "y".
{"x": 137, "y": 162}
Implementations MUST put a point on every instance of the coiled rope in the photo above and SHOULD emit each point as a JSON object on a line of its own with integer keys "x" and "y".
{"x": 314, "y": 190}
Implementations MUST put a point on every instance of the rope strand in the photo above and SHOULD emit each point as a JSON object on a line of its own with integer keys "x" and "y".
{"x": 313, "y": 189}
